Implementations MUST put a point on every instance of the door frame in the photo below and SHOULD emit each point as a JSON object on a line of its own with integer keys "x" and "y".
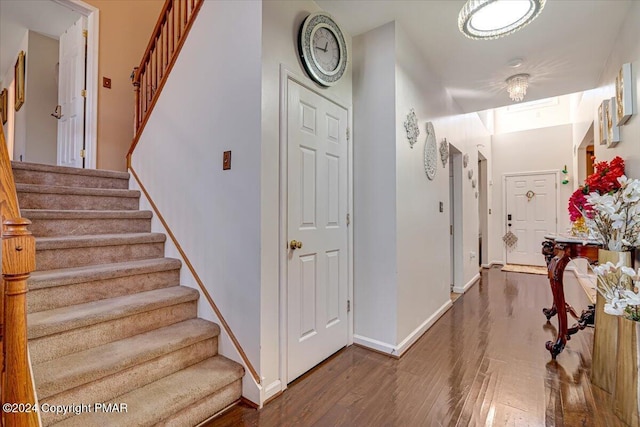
{"x": 555, "y": 172}
{"x": 285, "y": 76}
{"x": 91, "y": 113}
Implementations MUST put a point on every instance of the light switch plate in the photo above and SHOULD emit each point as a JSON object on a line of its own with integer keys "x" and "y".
{"x": 226, "y": 160}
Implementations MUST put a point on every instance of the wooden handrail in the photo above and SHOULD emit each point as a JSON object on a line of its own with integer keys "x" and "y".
{"x": 18, "y": 261}
{"x": 171, "y": 30}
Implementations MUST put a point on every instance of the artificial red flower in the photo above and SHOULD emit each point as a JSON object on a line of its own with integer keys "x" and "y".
{"x": 603, "y": 180}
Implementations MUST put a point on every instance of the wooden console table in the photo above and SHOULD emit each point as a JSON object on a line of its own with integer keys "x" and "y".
{"x": 559, "y": 251}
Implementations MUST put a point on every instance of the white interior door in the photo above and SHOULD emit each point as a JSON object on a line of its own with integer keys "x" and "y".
{"x": 71, "y": 85}
{"x": 317, "y": 217}
{"x": 531, "y": 212}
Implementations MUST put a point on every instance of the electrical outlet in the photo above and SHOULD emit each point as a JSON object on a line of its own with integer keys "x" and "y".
{"x": 226, "y": 160}
{"x": 441, "y": 207}
{"x": 472, "y": 255}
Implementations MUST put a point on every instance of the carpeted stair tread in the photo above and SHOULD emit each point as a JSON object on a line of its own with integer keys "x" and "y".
{"x": 68, "y": 276}
{"x": 76, "y": 191}
{"x": 69, "y": 170}
{"x": 49, "y": 322}
{"x": 73, "y": 370}
{"x": 34, "y": 214}
{"x": 97, "y": 240}
{"x": 169, "y": 395}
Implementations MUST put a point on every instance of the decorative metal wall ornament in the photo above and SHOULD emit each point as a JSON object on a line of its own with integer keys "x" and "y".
{"x": 430, "y": 152}
{"x": 510, "y": 239}
{"x": 465, "y": 160}
{"x": 444, "y": 152}
{"x": 411, "y": 126}
{"x": 530, "y": 195}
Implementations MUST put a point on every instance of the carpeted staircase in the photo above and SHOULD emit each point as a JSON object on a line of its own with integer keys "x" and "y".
{"x": 108, "y": 320}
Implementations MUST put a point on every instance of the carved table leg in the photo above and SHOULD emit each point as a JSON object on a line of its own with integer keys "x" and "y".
{"x": 548, "y": 250}
{"x": 587, "y": 318}
{"x": 556, "y": 272}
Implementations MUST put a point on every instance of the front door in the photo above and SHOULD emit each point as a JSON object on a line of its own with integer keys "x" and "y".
{"x": 530, "y": 214}
{"x": 317, "y": 229}
{"x": 71, "y": 95}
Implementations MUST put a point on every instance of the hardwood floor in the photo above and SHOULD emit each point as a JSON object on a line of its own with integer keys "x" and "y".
{"x": 483, "y": 363}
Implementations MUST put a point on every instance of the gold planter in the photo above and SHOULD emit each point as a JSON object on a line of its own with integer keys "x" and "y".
{"x": 625, "y": 396}
{"x": 603, "y": 367}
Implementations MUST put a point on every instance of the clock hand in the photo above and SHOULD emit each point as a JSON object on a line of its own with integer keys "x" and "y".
{"x": 326, "y": 44}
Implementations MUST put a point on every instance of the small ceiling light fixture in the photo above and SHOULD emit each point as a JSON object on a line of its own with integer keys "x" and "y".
{"x": 517, "y": 86}
{"x": 490, "y": 19}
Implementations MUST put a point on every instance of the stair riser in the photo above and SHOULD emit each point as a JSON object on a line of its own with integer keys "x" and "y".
{"x": 49, "y": 347}
{"x": 68, "y": 180}
{"x": 107, "y": 388}
{"x": 83, "y": 227}
{"x": 29, "y": 200}
{"x": 78, "y": 293}
{"x": 203, "y": 409}
{"x": 76, "y": 257}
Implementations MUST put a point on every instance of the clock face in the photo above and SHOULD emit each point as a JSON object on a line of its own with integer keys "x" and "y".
{"x": 323, "y": 49}
{"x": 326, "y": 51}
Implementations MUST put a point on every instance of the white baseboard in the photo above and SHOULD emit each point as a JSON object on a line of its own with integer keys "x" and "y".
{"x": 380, "y": 346}
{"x": 492, "y": 263}
{"x": 463, "y": 289}
{"x": 271, "y": 390}
{"x": 398, "y": 350}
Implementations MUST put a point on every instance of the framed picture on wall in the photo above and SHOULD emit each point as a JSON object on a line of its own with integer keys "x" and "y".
{"x": 613, "y": 131}
{"x": 4, "y": 101}
{"x": 624, "y": 100}
{"x": 18, "y": 71}
{"x": 602, "y": 120}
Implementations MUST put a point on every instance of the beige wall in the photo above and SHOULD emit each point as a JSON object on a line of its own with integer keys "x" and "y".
{"x": 41, "y": 128}
{"x": 125, "y": 30}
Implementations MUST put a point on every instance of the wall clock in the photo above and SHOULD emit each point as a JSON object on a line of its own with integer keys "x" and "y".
{"x": 322, "y": 49}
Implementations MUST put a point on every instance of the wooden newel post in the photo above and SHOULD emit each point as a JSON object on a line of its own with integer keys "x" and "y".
{"x": 135, "y": 78}
{"x": 18, "y": 261}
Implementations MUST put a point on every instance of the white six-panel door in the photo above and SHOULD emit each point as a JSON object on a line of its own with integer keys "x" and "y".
{"x": 71, "y": 84}
{"x": 531, "y": 202}
{"x": 317, "y": 217}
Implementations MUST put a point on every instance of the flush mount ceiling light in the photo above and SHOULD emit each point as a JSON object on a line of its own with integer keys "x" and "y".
{"x": 490, "y": 19}
{"x": 517, "y": 86}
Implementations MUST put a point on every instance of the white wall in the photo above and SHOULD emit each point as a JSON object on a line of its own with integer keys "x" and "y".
{"x": 375, "y": 214}
{"x": 528, "y": 151}
{"x": 281, "y": 21}
{"x": 401, "y": 238}
{"x": 626, "y": 49}
{"x": 212, "y": 103}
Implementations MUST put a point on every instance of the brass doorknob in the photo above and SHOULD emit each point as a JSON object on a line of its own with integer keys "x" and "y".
{"x": 294, "y": 244}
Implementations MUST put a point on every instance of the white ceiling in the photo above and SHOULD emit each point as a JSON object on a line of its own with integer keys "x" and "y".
{"x": 564, "y": 49}
{"x": 18, "y": 16}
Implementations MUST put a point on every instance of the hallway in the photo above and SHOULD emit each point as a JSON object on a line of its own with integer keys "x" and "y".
{"x": 482, "y": 363}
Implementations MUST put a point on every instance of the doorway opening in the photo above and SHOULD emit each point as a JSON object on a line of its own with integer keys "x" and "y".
{"x": 455, "y": 219}
{"x": 483, "y": 211}
{"x": 37, "y": 30}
